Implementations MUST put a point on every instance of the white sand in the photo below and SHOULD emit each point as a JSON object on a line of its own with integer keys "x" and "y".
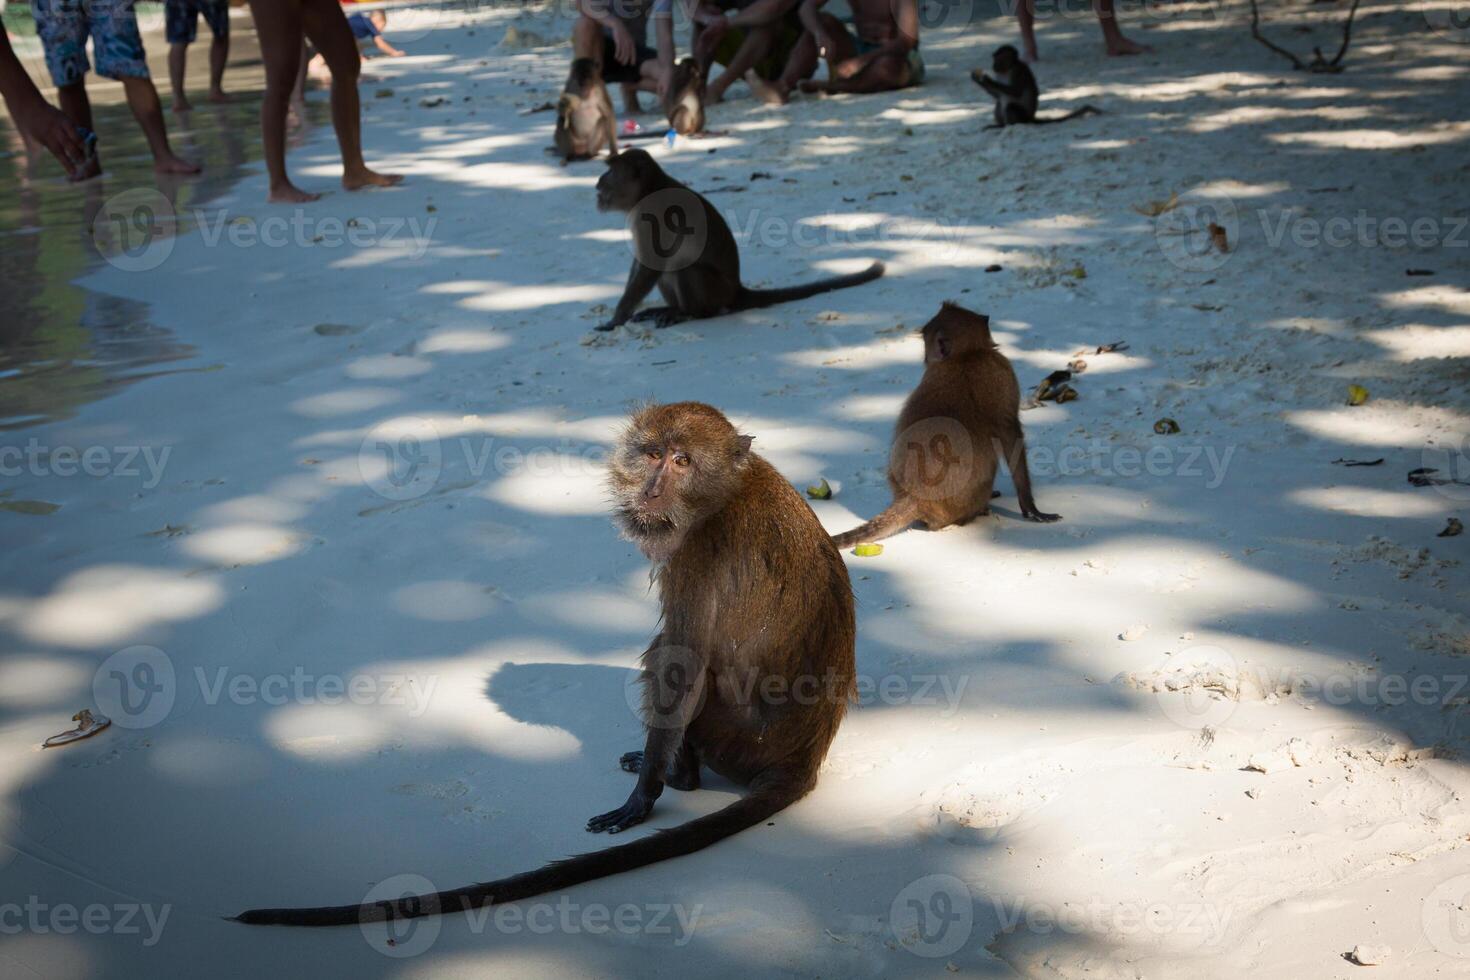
{"x": 1239, "y": 788}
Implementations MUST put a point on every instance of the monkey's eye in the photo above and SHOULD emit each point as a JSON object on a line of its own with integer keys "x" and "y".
{"x": 681, "y": 459}
{"x": 653, "y": 455}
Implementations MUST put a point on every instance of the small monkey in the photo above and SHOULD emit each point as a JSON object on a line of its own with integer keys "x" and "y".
{"x": 750, "y": 675}
{"x": 684, "y": 104}
{"x": 585, "y": 122}
{"x": 951, "y": 433}
{"x": 1016, "y": 94}
{"x": 683, "y": 246}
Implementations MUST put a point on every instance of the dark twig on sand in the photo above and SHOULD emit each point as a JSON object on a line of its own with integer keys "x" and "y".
{"x": 1318, "y": 63}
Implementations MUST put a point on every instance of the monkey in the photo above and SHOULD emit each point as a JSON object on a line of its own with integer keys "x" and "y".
{"x": 944, "y": 456}
{"x": 584, "y": 115}
{"x": 683, "y": 246}
{"x": 684, "y": 104}
{"x": 749, "y": 676}
{"x": 1015, "y": 91}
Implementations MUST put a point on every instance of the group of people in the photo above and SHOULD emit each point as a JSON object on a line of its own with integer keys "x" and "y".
{"x": 774, "y": 46}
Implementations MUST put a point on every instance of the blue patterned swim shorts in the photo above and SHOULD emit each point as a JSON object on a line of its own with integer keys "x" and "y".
{"x": 65, "y": 25}
{"x": 181, "y": 19}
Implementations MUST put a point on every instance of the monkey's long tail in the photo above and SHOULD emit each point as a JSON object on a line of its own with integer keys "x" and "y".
{"x": 751, "y": 299}
{"x": 899, "y": 515}
{"x": 1071, "y": 115}
{"x": 686, "y": 838}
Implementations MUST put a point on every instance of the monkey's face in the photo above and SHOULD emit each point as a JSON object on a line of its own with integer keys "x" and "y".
{"x": 1004, "y": 59}
{"x": 675, "y": 465}
{"x": 627, "y": 181}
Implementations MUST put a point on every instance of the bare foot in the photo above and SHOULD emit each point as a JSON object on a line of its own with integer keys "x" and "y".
{"x": 771, "y": 93}
{"x": 182, "y": 104}
{"x": 369, "y": 178}
{"x": 1120, "y": 46}
{"x": 219, "y": 96}
{"x": 174, "y": 165}
{"x": 289, "y": 193}
{"x": 88, "y": 171}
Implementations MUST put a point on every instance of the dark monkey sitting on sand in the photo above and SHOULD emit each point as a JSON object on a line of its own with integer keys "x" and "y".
{"x": 683, "y": 246}
{"x": 952, "y": 432}
{"x": 749, "y": 676}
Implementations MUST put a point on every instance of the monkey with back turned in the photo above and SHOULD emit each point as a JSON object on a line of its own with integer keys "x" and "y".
{"x": 585, "y": 122}
{"x": 683, "y": 246}
{"x": 684, "y": 104}
{"x": 954, "y": 429}
{"x": 749, "y": 676}
{"x": 1013, "y": 86}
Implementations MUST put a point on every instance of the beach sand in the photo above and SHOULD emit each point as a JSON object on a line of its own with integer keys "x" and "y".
{"x": 350, "y": 594}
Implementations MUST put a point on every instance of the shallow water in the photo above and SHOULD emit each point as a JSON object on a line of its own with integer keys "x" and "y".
{"x": 62, "y": 346}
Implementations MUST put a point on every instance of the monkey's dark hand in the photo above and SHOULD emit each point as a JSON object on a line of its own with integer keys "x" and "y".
{"x": 1041, "y": 518}
{"x": 661, "y": 316}
{"x": 630, "y": 814}
{"x": 612, "y": 324}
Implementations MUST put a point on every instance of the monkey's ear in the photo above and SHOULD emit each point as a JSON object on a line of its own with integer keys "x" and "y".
{"x": 742, "y": 443}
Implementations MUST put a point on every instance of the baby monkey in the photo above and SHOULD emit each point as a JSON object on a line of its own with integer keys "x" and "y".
{"x": 953, "y": 430}
{"x": 1013, "y": 86}
{"x": 585, "y": 122}
{"x": 684, "y": 104}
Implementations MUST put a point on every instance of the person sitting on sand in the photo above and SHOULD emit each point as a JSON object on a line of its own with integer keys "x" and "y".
{"x": 39, "y": 121}
{"x": 753, "y": 39}
{"x": 882, "y": 57}
{"x": 180, "y": 28}
{"x": 614, "y": 33}
{"x": 1107, "y": 18}
{"x": 64, "y": 27}
{"x": 281, "y": 25}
